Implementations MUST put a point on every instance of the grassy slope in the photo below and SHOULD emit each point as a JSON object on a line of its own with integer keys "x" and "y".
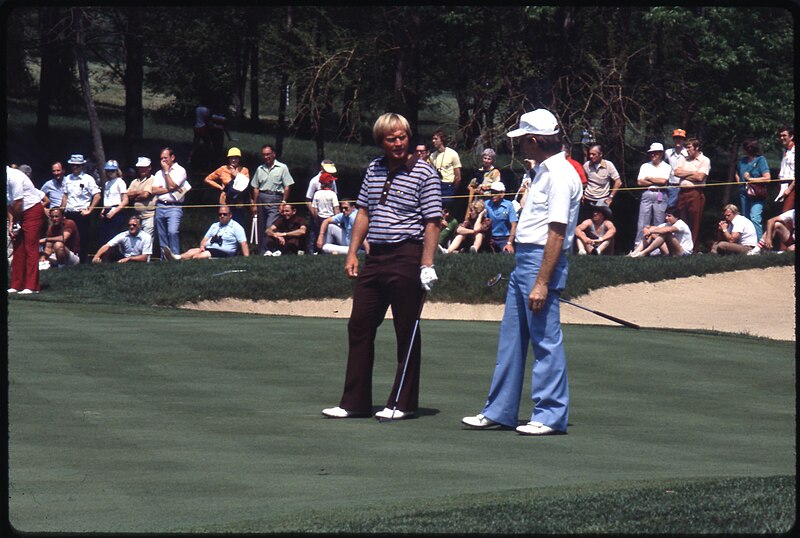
{"x": 462, "y": 278}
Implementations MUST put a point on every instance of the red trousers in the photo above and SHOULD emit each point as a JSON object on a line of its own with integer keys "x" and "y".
{"x": 25, "y": 265}
{"x": 390, "y": 276}
{"x": 691, "y": 202}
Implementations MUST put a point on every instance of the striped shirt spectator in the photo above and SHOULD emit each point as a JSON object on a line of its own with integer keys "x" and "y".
{"x": 399, "y": 205}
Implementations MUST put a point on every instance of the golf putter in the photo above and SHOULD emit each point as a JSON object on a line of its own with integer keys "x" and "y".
{"x": 405, "y": 362}
{"x": 499, "y": 276}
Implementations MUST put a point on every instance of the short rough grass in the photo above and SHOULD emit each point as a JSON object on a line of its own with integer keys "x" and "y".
{"x": 462, "y": 278}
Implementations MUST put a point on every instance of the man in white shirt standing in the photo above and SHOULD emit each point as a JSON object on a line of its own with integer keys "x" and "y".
{"x": 83, "y": 195}
{"x": 787, "y": 173}
{"x": 544, "y": 235}
{"x": 26, "y": 222}
{"x": 671, "y": 156}
{"x": 169, "y": 187}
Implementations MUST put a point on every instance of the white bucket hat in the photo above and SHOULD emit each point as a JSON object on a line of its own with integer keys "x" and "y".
{"x": 655, "y": 146}
{"x": 142, "y": 161}
{"x": 76, "y": 158}
{"x": 540, "y": 121}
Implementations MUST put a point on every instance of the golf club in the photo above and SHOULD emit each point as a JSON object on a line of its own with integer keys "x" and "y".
{"x": 230, "y": 271}
{"x": 499, "y": 276}
{"x": 405, "y": 363}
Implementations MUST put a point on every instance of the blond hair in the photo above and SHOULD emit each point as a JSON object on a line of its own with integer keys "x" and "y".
{"x": 388, "y": 123}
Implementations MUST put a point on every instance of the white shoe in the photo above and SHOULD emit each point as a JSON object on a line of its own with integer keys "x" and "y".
{"x": 536, "y": 428}
{"x": 635, "y": 254}
{"x": 473, "y": 250}
{"x": 44, "y": 265}
{"x": 479, "y": 422}
{"x": 277, "y": 253}
{"x": 268, "y": 253}
{"x": 168, "y": 254}
{"x": 26, "y": 291}
{"x": 756, "y": 250}
{"x": 393, "y": 415}
{"x": 338, "y": 412}
{"x": 442, "y": 249}
{"x": 12, "y": 290}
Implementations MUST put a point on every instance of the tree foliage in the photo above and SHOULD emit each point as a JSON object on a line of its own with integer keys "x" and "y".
{"x": 629, "y": 74}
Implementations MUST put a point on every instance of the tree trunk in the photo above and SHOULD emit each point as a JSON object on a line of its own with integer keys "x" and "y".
{"x": 83, "y": 73}
{"x": 134, "y": 80}
{"x": 283, "y": 96}
{"x": 48, "y": 17}
{"x": 255, "y": 110}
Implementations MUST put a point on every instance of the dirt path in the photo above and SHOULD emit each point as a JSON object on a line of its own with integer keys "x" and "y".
{"x": 759, "y": 302}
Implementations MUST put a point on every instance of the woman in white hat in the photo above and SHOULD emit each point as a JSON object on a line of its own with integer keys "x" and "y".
{"x": 115, "y": 199}
{"x": 653, "y": 177}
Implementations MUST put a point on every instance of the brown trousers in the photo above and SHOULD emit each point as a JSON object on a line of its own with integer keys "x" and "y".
{"x": 390, "y": 277}
{"x": 691, "y": 202}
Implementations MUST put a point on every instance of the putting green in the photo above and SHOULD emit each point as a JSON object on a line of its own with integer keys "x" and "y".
{"x": 154, "y": 420}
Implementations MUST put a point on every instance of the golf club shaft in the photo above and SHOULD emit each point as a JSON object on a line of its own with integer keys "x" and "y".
{"x": 601, "y": 314}
{"x": 408, "y": 355}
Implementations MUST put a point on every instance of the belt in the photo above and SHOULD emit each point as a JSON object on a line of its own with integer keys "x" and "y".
{"x": 273, "y": 193}
{"x": 168, "y": 203}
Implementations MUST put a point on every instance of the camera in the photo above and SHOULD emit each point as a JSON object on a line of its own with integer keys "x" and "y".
{"x": 216, "y": 240}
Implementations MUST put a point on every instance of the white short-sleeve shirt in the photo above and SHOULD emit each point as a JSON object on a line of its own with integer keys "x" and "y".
{"x": 80, "y": 190}
{"x": 113, "y": 189}
{"x": 177, "y": 174}
{"x": 553, "y": 196}
{"x": 20, "y": 187}
{"x": 132, "y": 245}
{"x": 747, "y": 230}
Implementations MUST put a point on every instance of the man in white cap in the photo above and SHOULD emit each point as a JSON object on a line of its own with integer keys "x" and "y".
{"x": 654, "y": 178}
{"x": 544, "y": 236}
{"x": 140, "y": 192}
{"x": 503, "y": 217}
{"x": 83, "y": 195}
{"x": 313, "y": 186}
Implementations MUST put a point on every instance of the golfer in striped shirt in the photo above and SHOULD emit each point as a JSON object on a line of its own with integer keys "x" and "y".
{"x": 400, "y": 208}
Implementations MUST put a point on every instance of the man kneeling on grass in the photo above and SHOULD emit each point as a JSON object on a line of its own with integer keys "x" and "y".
{"x": 135, "y": 245}
{"x": 222, "y": 240}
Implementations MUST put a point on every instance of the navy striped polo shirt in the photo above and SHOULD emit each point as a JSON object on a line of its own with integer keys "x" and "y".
{"x": 414, "y": 195}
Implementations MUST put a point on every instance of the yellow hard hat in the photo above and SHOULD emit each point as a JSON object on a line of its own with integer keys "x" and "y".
{"x": 234, "y": 152}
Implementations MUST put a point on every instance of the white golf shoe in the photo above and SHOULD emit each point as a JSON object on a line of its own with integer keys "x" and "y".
{"x": 393, "y": 415}
{"x": 536, "y": 428}
{"x": 479, "y": 422}
{"x": 338, "y": 412}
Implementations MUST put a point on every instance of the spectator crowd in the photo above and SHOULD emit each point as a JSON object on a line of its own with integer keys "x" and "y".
{"x": 131, "y": 215}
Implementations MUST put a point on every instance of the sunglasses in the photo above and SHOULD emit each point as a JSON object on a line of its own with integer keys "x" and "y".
{"x": 224, "y": 214}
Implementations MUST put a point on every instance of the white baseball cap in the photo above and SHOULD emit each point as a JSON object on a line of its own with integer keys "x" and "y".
{"x": 328, "y": 166}
{"x": 142, "y": 161}
{"x": 540, "y": 121}
{"x": 655, "y": 146}
{"x": 497, "y": 186}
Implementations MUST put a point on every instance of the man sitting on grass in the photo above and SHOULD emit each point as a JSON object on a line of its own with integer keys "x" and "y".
{"x": 673, "y": 237}
{"x": 287, "y": 234}
{"x": 779, "y": 233}
{"x": 737, "y": 235}
{"x": 135, "y": 245}
{"x": 222, "y": 240}
{"x": 595, "y": 235}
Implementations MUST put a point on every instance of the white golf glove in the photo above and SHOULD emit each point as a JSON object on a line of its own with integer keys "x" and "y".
{"x": 427, "y": 277}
